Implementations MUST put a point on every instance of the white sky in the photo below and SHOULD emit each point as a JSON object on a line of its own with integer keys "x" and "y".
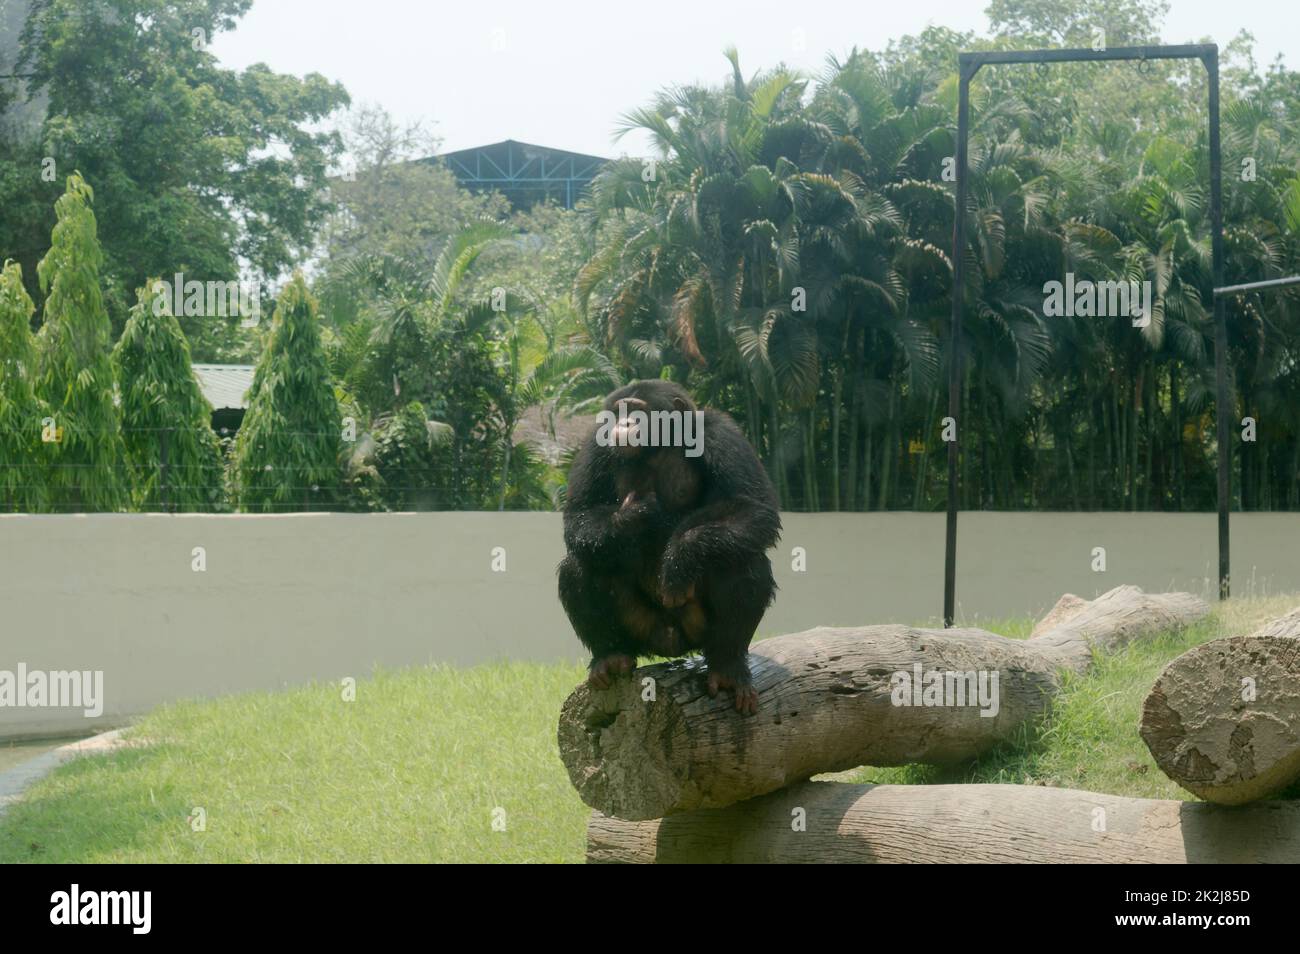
{"x": 570, "y": 68}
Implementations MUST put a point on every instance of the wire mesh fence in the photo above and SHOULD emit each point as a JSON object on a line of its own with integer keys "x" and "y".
{"x": 892, "y": 475}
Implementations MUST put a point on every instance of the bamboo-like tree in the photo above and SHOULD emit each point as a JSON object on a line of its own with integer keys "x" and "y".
{"x": 22, "y": 481}
{"x": 76, "y": 374}
{"x": 173, "y": 457}
{"x": 287, "y": 452}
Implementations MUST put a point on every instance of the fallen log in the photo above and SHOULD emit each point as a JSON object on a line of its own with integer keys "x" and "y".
{"x": 953, "y": 823}
{"x": 832, "y": 699}
{"x": 1223, "y": 719}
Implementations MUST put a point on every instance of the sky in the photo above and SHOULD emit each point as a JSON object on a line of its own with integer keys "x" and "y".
{"x": 561, "y": 73}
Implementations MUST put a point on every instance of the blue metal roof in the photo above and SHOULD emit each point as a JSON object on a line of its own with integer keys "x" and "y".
{"x": 523, "y": 172}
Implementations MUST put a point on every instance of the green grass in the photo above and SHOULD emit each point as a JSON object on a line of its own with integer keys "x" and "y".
{"x": 413, "y": 770}
{"x": 415, "y": 767}
{"x": 1089, "y": 740}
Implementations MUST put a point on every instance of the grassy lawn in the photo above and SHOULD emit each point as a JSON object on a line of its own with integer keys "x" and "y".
{"x": 415, "y": 768}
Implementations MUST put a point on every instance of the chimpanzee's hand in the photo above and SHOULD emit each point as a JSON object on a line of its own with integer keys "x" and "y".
{"x": 676, "y": 581}
{"x": 635, "y": 512}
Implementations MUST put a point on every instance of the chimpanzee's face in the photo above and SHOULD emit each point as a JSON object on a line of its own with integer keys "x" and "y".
{"x": 632, "y": 435}
{"x": 629, "y": 434}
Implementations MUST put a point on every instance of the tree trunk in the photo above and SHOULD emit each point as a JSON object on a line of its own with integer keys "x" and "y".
{"x": 505, "y": 467}
{"x": 1176, "y": 463}
{"x": 889, "y": 446}
{"x": 834, "y": 699}
{"x": 855, "y": 423}
{"x": 778, "y": 456}
{"x": 1294, "y": 497}
{"x": 1151, "y": 431}
{"x": 881, "y": 824}
{"x": 836, "y": 395}
{"x": 1135, "y": 397}
{"x": 923, "y": 465}
{"x": 866, "y": 465}
{"x": 1223, "y": 719}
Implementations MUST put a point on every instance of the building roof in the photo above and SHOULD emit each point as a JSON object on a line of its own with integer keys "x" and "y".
{"x": 225, "y": 385}
{"x": 523, "y": 172}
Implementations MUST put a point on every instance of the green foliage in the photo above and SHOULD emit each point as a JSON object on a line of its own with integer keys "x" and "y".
{"x": 467, "y": 388}
{"x": 287, "y": 451}
{"x": 469, "y": 364}
{"x": 790, "y": 261}
{"x": 406, "y": 460}
{"x": 22, "y": 477}
{"x": 200, "y": 167}
{"x": 394, "y": 205}
{"x": 540, "y": 260}
{"x": 76, "y": 374}
{"x": 173, "y": 455}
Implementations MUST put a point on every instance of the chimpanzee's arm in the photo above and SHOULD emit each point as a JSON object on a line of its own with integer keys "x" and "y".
{"x": 594, "y": 524}
{"x": 739, "y": 516}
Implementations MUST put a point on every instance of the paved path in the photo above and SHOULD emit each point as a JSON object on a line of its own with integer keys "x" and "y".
{"x": 14, "y": 781}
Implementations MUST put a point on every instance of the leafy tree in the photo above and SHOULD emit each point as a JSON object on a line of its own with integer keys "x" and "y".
{"x": 200, "y": 167}
{"x": 76, "y": 374}
{"x": 835, "y": 192}
{"x": 172, "y": 453}
{"x": 22, "y": 477}
{"x": 402, "y": 464}
{"x": 541, "y": 260}
{"x": 394, "y": 204}
{"x": 287, "y": 451}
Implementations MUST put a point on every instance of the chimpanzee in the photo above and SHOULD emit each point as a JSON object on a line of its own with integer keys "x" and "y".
{"x": 667, "y": 533}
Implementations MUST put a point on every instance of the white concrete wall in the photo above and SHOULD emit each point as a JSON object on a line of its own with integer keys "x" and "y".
{"x": 289, "y": 599}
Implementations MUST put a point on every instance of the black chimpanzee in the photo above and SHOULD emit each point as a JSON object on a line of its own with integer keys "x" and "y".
{"x": 667, "y": 543}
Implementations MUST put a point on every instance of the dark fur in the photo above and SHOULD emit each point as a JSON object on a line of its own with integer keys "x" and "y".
{"x": 683, "y": 565}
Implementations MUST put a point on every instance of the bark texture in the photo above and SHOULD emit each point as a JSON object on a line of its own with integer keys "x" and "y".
{"x": 953, "y": 823}
{"x": 655, "y": 744}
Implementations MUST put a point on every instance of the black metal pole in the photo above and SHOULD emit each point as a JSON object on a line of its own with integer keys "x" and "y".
{"x": 954, "y": 348}
{"x": 1086, "y": 54}
{"x": 1223, "y": 400}
{"x": 969, "y": 64}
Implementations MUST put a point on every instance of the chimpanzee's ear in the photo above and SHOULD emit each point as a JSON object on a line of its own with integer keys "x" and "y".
{"x": 681, "y": 404}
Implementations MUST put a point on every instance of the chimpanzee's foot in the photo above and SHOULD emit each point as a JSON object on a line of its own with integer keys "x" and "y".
{"x": 728, "y": 677}
{"x": 603, "y": 670}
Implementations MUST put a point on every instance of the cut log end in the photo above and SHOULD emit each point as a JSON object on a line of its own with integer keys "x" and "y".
{"x": 1223, "y": 719}
{"x": 609, "y": 738}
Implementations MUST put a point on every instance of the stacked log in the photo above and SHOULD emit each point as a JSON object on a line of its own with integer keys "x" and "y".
{"x": 656, "y": 744}
{"x": 677, "y": 776}
{"x": 835, "y": 822}
{"x": 1223, "y": 719}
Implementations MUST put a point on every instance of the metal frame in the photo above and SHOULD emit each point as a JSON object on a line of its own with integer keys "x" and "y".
{"x": 526, "y": 167}
{"x": 969, "y": 64}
